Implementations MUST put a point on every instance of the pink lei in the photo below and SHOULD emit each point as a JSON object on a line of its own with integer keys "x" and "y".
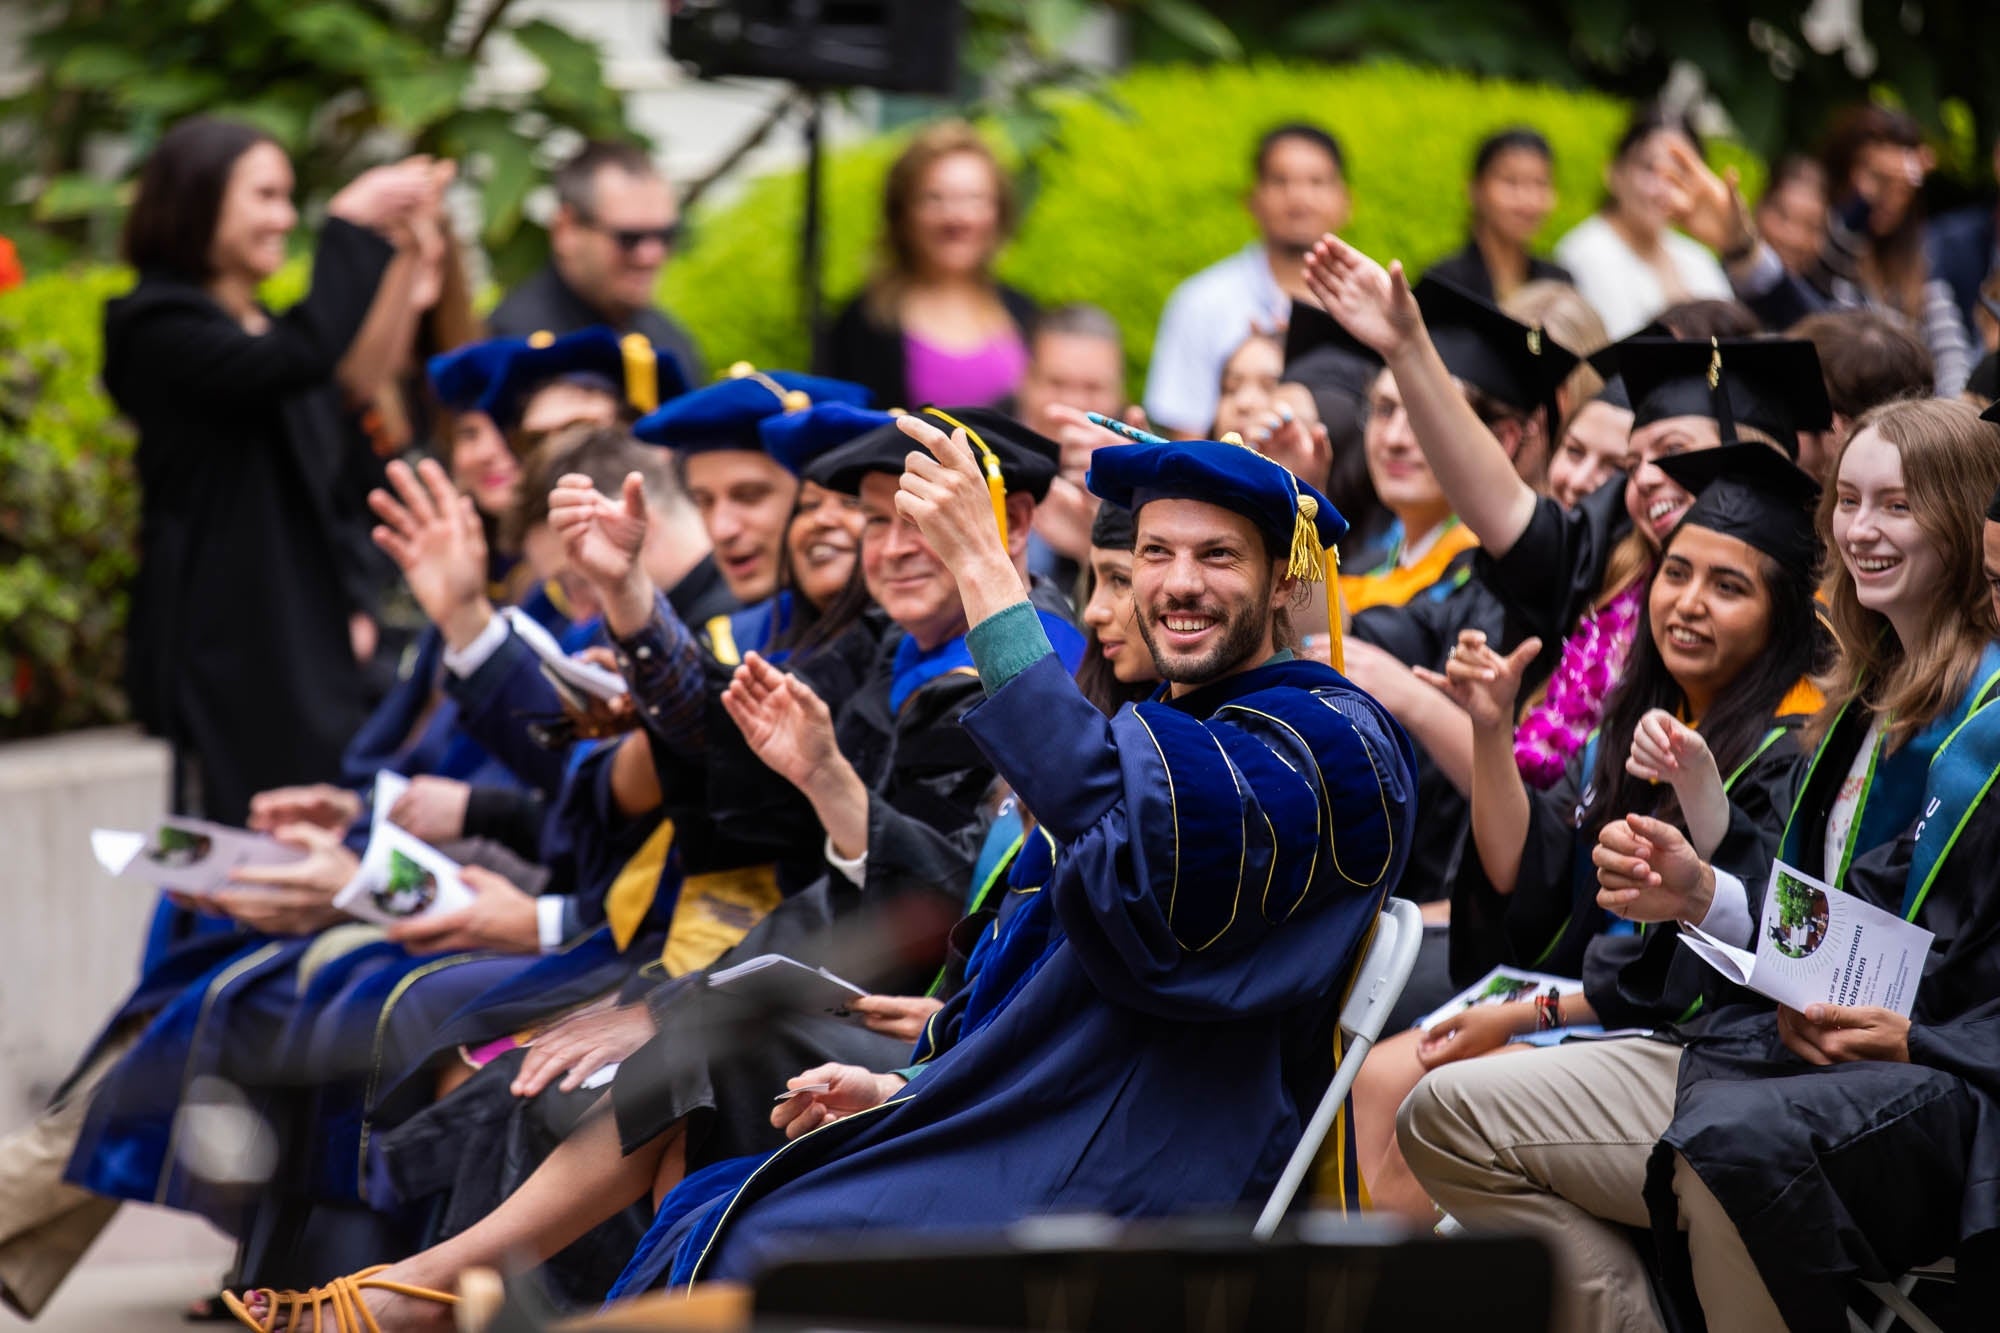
{"x": 1592, "y": 659}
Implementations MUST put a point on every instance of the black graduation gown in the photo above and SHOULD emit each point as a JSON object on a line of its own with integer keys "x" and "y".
{"x": 1552, "y": 923}
{"x": 237, "y": 647}
{"x": 1555, "y": 570}
{"x": 1869, "y": 1168}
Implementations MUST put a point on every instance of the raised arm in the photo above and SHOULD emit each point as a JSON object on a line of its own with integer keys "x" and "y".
{"x": 1485, "y": 685}
{"x": 1376, "y": 306}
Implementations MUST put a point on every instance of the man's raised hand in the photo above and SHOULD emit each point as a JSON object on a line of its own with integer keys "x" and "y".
{"x": 783, "y": 721}
{"x": 434, "y": 536}
{"x": 1372, "y": 303}
{"x": 946, "y": 496}
{"x": 603, "y": 539}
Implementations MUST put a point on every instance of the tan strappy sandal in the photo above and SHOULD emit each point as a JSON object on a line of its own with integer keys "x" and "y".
{"x": 340, "y": 1300}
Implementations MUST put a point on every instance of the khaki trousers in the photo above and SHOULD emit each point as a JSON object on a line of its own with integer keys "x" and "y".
{"x": 46, "y": 1225}
{"x": 1556, "y": 1141}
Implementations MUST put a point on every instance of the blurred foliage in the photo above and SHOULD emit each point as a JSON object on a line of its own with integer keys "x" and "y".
{"x": 1778, "y": 67}
{"x": 69, "y": 508}
{"x": 342, "y": 84}
{"x": 1148, "y": 187}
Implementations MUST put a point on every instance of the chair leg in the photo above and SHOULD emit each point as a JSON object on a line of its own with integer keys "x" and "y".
{"x": 1900, "y": 1306}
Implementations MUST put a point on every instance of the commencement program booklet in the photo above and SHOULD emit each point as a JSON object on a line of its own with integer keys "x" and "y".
{"x": 401, "y": 877}
{"x": 773, "y": 981}
{"x": 190, "y": 856}
{"x": 1499, "y": 986}
{"x": 1818, "y": 945}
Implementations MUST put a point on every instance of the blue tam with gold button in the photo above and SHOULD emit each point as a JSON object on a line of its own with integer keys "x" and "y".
{"x": 461, "y": 377}
{"x": 730, "y": 413}
{"x": 1299, "y": 525}
{"x": 625, "y": 365}
{"x": 795, "y": 439}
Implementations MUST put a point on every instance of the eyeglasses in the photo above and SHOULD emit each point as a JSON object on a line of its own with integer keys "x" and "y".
{"x": 629, "y": 239}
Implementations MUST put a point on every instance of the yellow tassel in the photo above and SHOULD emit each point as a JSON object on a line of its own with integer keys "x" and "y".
{"x": 1308, "y": 559}
{"x": 642, "y": 372}
{"x": 989, "y": 463}
{"x": 1336, "y": 646}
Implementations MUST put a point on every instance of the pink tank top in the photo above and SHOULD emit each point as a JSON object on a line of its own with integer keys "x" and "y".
{"x": 978, "y": 378}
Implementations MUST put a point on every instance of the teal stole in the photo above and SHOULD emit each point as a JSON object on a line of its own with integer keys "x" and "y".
{"x": 1940, "y": 774}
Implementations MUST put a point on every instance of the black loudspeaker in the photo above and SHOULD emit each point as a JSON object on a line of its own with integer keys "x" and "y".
{"x": 908, "y": 46}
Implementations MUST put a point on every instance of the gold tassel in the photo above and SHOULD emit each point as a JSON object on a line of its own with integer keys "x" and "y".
{"x": 989, "y": 463}
{"x": 642, "y": 372}
{"x": 1336, "y": 646}
{"x": 1308, "y": 560}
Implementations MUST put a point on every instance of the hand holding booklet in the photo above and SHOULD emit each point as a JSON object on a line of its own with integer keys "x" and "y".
{"x": 401, "y": 877}
{"x": 1818, "y": 945}
{"x": 773, "y": 982}
{"x": 190, "y": 856}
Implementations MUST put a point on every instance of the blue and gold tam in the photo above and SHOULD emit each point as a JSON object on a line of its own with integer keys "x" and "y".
{"x": 627, "y": 366}
{"x": 795, "y": 439}
{"x": 461, "y": 377}
{"x": 1299, "y": 525}
{"x": 730, "y": 414}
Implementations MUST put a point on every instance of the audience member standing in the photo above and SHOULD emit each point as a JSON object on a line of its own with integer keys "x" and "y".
{"x": 933, "y": 325}
{"x": 239, "y": 649}
{"x": 1625, "y": 258}
{"x": 1300, "y": 194}
{"x": 616, "y": 222}
{"x": 1512, "y": 192}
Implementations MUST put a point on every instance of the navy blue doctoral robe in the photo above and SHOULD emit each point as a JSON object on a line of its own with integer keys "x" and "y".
{"x": 1155, "y": 1025}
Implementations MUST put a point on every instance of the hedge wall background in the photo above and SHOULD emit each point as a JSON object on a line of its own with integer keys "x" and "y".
{"x": 1138, "y": 198}
{"x": 1132, "y": 200}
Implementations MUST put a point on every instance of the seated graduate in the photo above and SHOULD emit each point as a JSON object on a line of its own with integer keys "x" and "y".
{"x": 1572, "y": 577}
{"x": 1797, "y": 1150}
{"x": 1729, "y": 637}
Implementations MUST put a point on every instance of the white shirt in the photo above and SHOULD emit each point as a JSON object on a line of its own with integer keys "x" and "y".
{"x": 1206, "y": 319}
{"x": 1622, "y": 287}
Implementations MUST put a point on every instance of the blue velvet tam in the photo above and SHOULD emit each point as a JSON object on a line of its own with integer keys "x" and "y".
{"x": 1295, "y": 519}
{"x": 730, "y": 413}
{"x": 628, "y": 365}
{"x": 461, "y": 377}
{"x": 795, "y": 439}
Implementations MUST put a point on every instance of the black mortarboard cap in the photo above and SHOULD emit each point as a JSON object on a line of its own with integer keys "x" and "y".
{"x": 1605, "y": 362}
{"x": 1483, "y": 346}
{"x": 1028, "y": 461}
{"x": 1114, "y": 528}
{"x": 1772, "y": 384}
{"x": 1751, "y": 492}
{"x": 1321, "y": 353}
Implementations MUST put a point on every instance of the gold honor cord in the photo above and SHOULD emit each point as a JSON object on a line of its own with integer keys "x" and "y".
{"x": 989, "y": 463}
{"x": 794, "y": 400}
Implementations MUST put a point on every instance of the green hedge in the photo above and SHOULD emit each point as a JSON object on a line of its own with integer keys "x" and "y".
{"x": 69, "y": 506}
{"x": 1140, "y": 195}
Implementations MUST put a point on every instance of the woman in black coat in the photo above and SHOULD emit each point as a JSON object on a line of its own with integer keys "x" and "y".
{"x": 242, "y": 643}
{"x": 933, "y": 325}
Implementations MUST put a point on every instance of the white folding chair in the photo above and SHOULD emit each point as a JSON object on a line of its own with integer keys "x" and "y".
{"x": 1378, "y": 983}
{"x": 1897, "y": 1305}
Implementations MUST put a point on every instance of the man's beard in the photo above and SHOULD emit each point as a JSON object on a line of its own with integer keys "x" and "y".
{"x": 1242, "y": 628}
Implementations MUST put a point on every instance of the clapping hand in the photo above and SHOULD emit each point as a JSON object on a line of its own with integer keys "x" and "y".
{"x": 1648, "y": 871}
{"x": 1481, "y": 681}
{"x": 1706, "y": 206}
{"x": 434, "y": 535}
{"x": 603, "y": 539}
{"x": 784, "y": 722}
{"x": 848, "y": 1089}
{"x": 1372, "y": 303}
{"x": 385, "y": 198}
{"x": 1666, "y": 750}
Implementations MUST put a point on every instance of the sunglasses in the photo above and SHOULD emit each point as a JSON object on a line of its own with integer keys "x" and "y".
{"x": 629, "y": 239}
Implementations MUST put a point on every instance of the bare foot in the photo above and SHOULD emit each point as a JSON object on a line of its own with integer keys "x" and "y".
{"x": 394, "y": 1312}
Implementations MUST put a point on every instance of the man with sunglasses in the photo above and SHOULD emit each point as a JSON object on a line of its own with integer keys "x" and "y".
{"x": 616, "y": 222}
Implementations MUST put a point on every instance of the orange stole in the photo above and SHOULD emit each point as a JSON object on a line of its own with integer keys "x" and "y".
{"x": 1392, "y": 585}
